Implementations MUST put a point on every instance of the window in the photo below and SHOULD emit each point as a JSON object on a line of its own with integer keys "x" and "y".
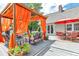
{"x": 48, "y": 29}
{"x": 69, "y": 27}
{"x": 51, "y": 28}
{"x": 76, "y": 26}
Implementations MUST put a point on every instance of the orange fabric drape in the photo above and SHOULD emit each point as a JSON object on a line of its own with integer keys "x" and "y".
{"x": 9, "y": 12}
{"x": 6, "y": 24}
{"x": 18, "y": 19}
{"x": 43, "y": 25}
{"x": 2, "y": 38}
{"x": 12, "y": 41}
{"x": 27, "y": 20}
{"x": 22, "y": 19}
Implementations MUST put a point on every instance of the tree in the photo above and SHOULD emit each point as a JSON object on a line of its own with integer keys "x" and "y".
{"x": 33, "y": 26}
{"x": 35, "y": 6}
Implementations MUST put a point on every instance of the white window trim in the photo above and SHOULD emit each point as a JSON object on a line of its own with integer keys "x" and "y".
{"x": 73, "y": 25}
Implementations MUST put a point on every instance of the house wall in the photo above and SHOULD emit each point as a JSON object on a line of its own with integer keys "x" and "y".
{"x": 67, "y": 14}
{"x": 60, "y": 28}
{"x": 54, "y": 17}
{"x": 56, "y": 28}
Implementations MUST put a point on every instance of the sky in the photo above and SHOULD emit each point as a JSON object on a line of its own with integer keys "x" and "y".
{"x": 49, "y": 6}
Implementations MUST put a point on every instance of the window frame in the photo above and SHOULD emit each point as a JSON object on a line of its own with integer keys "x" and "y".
{"x": 70, "y": 24}
{"x": 74, "y": 26}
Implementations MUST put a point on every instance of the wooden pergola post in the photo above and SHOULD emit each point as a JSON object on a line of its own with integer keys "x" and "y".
{"x": 14, "y": 23}
{"x": 1, "y": 38}
{"x": 0, "y": 25}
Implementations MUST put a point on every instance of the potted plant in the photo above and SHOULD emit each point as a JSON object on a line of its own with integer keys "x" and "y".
{"x": 17, "y": 51}
{"x": 26, "y": 48}
{"x": 20, "y": 50}
{"x": 10, "y": 51}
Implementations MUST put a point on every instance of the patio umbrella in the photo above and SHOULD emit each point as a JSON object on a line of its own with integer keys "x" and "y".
{"x": 65, "y": 21}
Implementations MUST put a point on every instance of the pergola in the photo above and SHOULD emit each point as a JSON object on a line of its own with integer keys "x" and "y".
{"x": 20, "y": 15}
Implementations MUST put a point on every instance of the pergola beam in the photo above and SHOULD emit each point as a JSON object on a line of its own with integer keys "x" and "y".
{"x": 2, "y": 16}
{"x": 33, "y": 11}
{"x": 6, "y": 8}
{"x": 23, "y": 6}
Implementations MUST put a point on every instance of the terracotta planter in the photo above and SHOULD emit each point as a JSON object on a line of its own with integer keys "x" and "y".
{"x": 18, "y": 54}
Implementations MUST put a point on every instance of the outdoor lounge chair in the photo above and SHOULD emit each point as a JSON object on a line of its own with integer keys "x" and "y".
{"x": 68, "y": 35}
{"x": 77, "y": 39}
{"x": 72, "y": 36}
{"x": 60, "y": 35}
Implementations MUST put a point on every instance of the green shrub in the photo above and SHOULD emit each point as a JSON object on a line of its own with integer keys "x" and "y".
{"x": 17, "y": 50}
{"x": 25, "y": 35}
{"x": 26, "y": 47}
{"x": 40, "y": 35}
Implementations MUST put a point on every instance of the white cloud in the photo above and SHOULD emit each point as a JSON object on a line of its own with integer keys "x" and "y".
{"x": 2, "y": 6}
{"x": 46, "y": 7}
{"x": 46, "y": 3}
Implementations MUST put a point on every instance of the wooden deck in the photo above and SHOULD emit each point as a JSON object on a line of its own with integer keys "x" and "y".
{"x": 40, "y": 48}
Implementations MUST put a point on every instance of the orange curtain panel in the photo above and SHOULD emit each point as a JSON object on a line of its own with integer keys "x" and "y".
{"x": 43, "y": 25}
{"x": 9, "y": 12}
{"x": 12, "y": 41}
{"x": 22, "y": 19}
{"x": 5, "y": 24}
{"x": 2, "y": 38}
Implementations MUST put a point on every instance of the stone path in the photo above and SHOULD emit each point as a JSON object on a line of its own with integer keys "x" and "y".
{"x": 3, "y": 51}
{"x": 63, "y": 48}
{"x": 54, "y": 51}
{"x": 67, "y": 45}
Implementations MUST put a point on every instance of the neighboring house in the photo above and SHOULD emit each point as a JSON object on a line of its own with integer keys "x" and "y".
{"x": 61, "y": 16}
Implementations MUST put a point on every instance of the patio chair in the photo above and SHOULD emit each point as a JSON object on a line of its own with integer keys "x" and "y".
{"x": 72, "y": 36}
{"x": 68, "y": 36}
{"x": 77, "y": 39}
{"x": 63, "y": 36}
{"x": 37, "y": 37}
{"x": 60, "y": 35}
